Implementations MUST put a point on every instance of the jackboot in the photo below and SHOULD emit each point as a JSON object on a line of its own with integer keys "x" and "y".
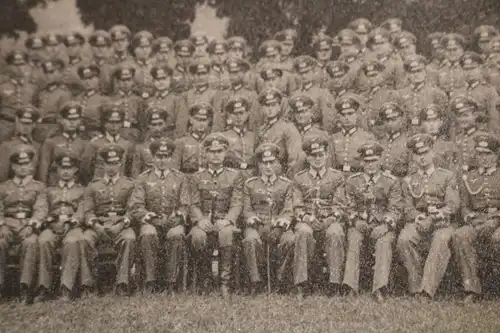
{"x": 226, "y": 264}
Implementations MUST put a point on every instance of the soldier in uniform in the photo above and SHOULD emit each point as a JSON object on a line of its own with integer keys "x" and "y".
{"x": 69, "y": 139}
{"x": 62, "y": 229}
{"x": 200, "y": 42}
{"x": 16, "y": 90}
{"x": 323, "y": 102}
{"x": 419, "y": 93}
{"x": 241, "y": 141}
{"x": 54, "y": 47}
{"x": 268, "y": 210}
{"x": 216, "y": 204}
{"x": 107, "y": 221}
{"x": 451, "y": 76}
{"x": 287, "y": 38}
{"x": 348, "y": 42}
{"x": 320, "y": 216}
{"x": 322, "y": 51}
{"x": 181, "y": 80}
{"x": 237, "y": 47}
{"x": 23, "y": 210}
{"x": 362, "y": 27}
{"x": 375, "y": 204}
{"x": 131, "y": 104}
{"x": 270, "y": 52}
{"x": 271, "y": 76}
{"x": 188, "y": 155}
{"x": 405, "y": 44}
{"x": 100, "y": 45}
{"x": 160, "y": 202}
{"x": 91, "y": 99}
{"x": 161, "y": 51}
{"x": 52, "y": 95}
{"x": 120, "y": 38}
{"x": 302, "y": 115}
{"x": 278, "y": 131}
{"x": 338, "y": 81}
{"x": 74, "y": 44}
{"x": 142, "y": 48}
{"x": 36, "y": 51}
{"x": 393, "y": 25}
{"x": 437, "y": 55}
{"x": 479, "y": 236}
{"x": 93, "y": 165}
{"x": 482, "y": 37}
{"x": 351, "y": 137}
{"x": 430, "y": 197}
{"x": 395, "y": 156}
{"x": 25, "y": 122}
{"x": 218, "y": 54}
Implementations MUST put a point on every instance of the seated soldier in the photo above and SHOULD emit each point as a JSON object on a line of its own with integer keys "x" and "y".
{"x": 479, "y": 237}
{"x": 105, "y": 214}
{"x": 268, "y": 203}
{"x": 63, "y": 233}
{"x": 319, "y": 219}
{"x": 23, "y": 210}
{"x": 160, "y": 202}
{"x": 216, "y": 205}
{"x": 430, "y": 196}
{"x": 374, "y": 201}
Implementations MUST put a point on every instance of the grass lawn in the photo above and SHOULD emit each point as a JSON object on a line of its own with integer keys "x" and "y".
{"x": 187, "y": 313}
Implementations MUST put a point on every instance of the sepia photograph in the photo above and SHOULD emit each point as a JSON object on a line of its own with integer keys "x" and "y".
{"x": 253, "y": 166}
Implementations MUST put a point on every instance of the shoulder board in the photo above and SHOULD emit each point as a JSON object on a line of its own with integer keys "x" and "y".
{"x": 301, "y": 172}
{"x": 444, "y": 170}
{"x": 176, "y": 171}
{"x": 95, "y": 138}
{"x": 230, "y": 169}
{"x": 334, "y": 170}
{"x": 284, "y": 178}
{"x": 200, "y": 171}
{"x": 356, "y": 175}
{"x": 146, "y": 172}
{"x": 95, "y": 180}
{"x": 251, "y": 179}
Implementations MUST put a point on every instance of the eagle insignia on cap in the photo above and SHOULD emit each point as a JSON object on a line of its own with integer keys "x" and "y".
{"x": 299, "y": 104}
{"x": 459, "y": 105}
{"x": 23, "y": 154}
{"x": 112, "y": 153}
{"x": 483, "y": 144}
{"x": 155, "y": 116}
{"x": 484, "y": 34}
{"x": 369, "y": 152}
{"x": 202, "y": 111}
{"x": 346, "y": 105}
{"x": 302, "y": 64}
{"x": 267, "y": 153}
{"x": 315, "y": 145}
{"x": 419, "y": 144}
{"x": 238, "y": 105}
{"x": 184, "y": 49}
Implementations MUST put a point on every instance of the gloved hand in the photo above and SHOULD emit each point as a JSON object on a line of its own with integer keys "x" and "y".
{"x": 148, "y": 218}
{"x": 253, "y": 221}
{"x": 205, "y": 225}
{"x": 283, "y": 223}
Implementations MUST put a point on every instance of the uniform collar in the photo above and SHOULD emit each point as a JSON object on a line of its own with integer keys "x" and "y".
{"x": 269, "y": 180}
{"x": 17, "y": 82}
{"x": 69, "y": 136}
{"x": 350, "y": 131}
{"x": 215, "y": 173}
{"x": 317, "y": 174}
{"x": 68, "y": 185}
{"x": 110, "y": 138}
{"x": 121, "y": 57}
{"x": 22, "y": 181}
{"x": 394, "y": 136}
{"x": 374, "y": 178}
{"x": 161, "y": 173}
{"x": 143, "y": 62}
{"x": 113, "y": 180}
{"x": 197, "y": 136}
{"x": 488, "y": 171}
{"x": 202, "y": 89}
{"x": 418, "y": 87}
{"x": 239, "y": 131}
{"x": 125, "y": 93}
{"x": 427, "y": 172}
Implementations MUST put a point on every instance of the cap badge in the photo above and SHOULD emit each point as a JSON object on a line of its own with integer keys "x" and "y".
{"x": 483, "y": 144}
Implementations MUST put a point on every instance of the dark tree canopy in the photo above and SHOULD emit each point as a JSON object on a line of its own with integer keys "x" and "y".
{"x": 15, "y": 16}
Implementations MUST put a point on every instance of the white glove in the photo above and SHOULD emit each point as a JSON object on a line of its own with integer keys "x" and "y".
{"x": 33, "y": 224}
{"x": 93, "y": 221}
{"x": 283, "y": 223}
{"x": 308, "y": 219}
{"x": 71, "y": 221}
{"x": 253, "y": 220}
{"x": 420, "y": 217}
{"x": 148, "y": 217}
{"x": 126, "y": 222}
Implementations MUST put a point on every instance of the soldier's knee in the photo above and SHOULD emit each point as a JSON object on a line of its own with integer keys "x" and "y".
{"x": 303, "y": 229}
{"x": 128, "y": 235}
{"x": 148, "y": 230}
{"x": 198, "y": 238}
{"x": 176, "y": 233}
{"x": 47, "y": 236}
{"x": 464, "y": 235}
{"x": 251, "y": 237}
{"x": 335, "y": 231}
{"x": 406, "y": 236}
{"x": 30, "y": 241}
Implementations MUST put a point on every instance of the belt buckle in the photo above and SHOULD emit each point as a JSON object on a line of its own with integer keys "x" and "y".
{"x": 112, "y": 214}
{"x": 126, "y": 124}
{"x": 492, "y": 210}
{"x": 346, "y": 167}
{"x": 21, "y": 215}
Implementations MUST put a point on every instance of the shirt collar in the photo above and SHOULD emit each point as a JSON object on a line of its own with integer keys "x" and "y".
{"x": 239, "y": 131}
{"x": 113, "y": 180}
{"x": 427, "y": 172}
{"x": 349, "y": 132}
{"x": 197, "y": 136}
{"x": 215, "y": 173}
{"x": 69, "y": 136}
{"x": 22, "y": 181}
{"x": 63, "y": 184}
{"x": 269, "y": 180}
{"x": 159, "y": 172}
{"x": 125, "y": 93}
{"x": 317, "y": 174}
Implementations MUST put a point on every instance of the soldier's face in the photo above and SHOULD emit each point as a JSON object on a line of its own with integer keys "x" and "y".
{"x": 218, "y": 58}
{"x": 236, "y": 53}
{"x": 394, "y": 125}
{"x": 162, "y": 84}
{"x": 121, "y": 45}
{"x": 303, "y": 118}
{"x": 349, "y": 48}
{"x": 432, "y": 126}
{"x": 162, "y": 56}
{"x": 349, "y": 119}
{"x": 408, "y": 50}
{"x": 381, "y": 48}
{"x": 484, "y": 46}
{"x": 143, "y": 52}
{"x": 198, "y": 125}
{"x": 23, "y": 170}
{"x": 454, "y": 54}
{"x": 466, "y": 120}
{"x": 272, "y": 110}
{"x": 238, "y": 118}
{"x": 371, "y": 167}
{"x": 157, "y": 128}
{"x": 473, "y": 75}
{"x": 424, "y": 160}
{"x": 318, "y": 160}
{"x": 215, "y": 157}
{"x": 268, "y": 168}
{"x": 438, "y": 52}
{"x": 200, "y": 79}
{"x": 91, "y": 83}
{"x": 113, "y": 127}
{"x": 101, "y": 51}
{"x": 417, "y": 77}
{"x": 286, "y": 48}
{"x": 306, "y": 77}
{"x": 66, "y": 174}
{"x": 201, "y": 49}
{"x": 24, "y": 128}
{"x": 125, "y": 84}
{"x": 70, "y": 125}
{"x": 486, "y": 159}
{"x": 182, "y": 59}
{"x": 162, "y": 162}
{"x": 74, "y": 50}
{"x": 112, "y": 169}
{"x": 236, "y": 77}
{"x": 324, "y": 55}
{"x": 52, "y": 76}
{"x": 53, "y": 50}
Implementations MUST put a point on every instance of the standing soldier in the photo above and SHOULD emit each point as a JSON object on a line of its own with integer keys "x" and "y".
{"x": 68, "y": 139}
{"x": 24, "y": 209}
{"x": 142, "y": 50}
{"x": 241, "y": 141}
{"x": 320, "y": 215}
{"x": 322, "y": 50}
{"x": 63, "y": 233}
{"x": 162, "y": 46}
{"x": 269, "y": 51}
{"x": 181, "y": 80}
{"x": 419, "y": 93}
{"x": 53, "y": 93}
{"x": 405, "y": 44}
{"x": 271, "y": 76}
{"x": 74, "y": 44}
{"x": 276, "y": 130}
{"x": 338, "y": 81}
{"x": 54, "y": 47}
{"x": 131, "y": 104}
{"x": 105, "y": 215}
{"x": 91, "y": 100}
{"x": 237, "y": 47}
{"x": 16, "y": 90}
{"x": 218, "y": 54}
{"x": 25, "y": 122}
{"x": 160, "y": 202}
{"x": 268, "y": 210}
{"x": 351, "y": 137}
{"x": 120, "y": 38}
{"x": 36, "y": 51}
{"x": 451, "y": 77}
{"x": 287, "y": 38}
{"x": 323, "y": 102}
{"x": 395, "y": 156}
{"x": 93, "y": 166}
{"x": 165, "y": 98}
{"x": 430, "y": 197}
{"x": 375, "y": 202}
{"x": 100, "y": 43}
{"x": 479, "y": 236}
{"x": 188, "y": 156}
{"x": 362, "y": 28}
{"x": 216, "y": 204}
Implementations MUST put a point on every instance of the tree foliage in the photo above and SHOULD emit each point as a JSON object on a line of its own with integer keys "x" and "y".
{"x": 15, "y": 16}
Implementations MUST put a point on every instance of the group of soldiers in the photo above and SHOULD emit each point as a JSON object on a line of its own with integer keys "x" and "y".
{"x": 166, "y": 150}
